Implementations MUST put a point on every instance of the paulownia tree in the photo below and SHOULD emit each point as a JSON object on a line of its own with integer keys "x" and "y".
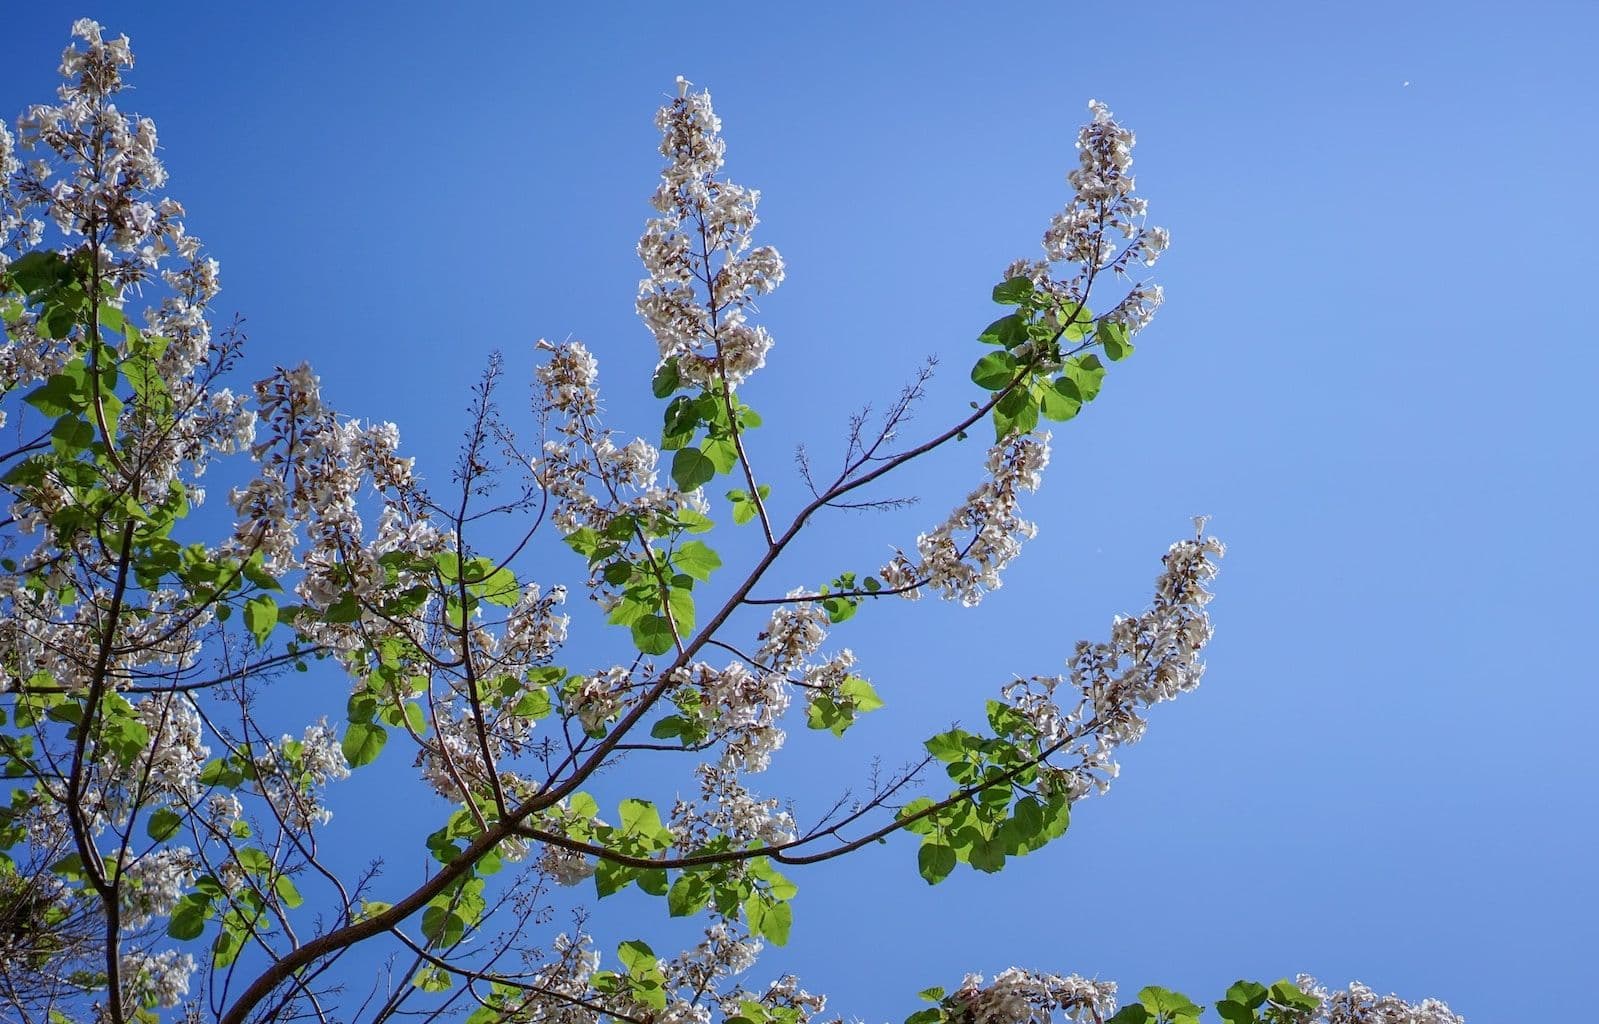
{"x": 162, "y": 838}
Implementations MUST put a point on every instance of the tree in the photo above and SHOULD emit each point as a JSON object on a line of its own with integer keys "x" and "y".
{"x": 159, "y": 848}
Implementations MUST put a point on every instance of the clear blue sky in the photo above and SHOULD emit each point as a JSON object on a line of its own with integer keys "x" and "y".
{"x": 1375, "y": 369}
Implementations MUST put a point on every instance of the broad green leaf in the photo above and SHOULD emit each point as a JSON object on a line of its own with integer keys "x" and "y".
{"x": 1016, "y": 413}
{"x": 226, "y": 948}
{"x": 1250, "y": 993}
{"x": 948, "y": 746}
{"x": 432, "y": 979}
{"x": 163, "y": 824}
{"x": 688, "y": 895}
{"x": 188, "y": 917}
{"x": 696, "y": 559}
{"x": 1114, "y": 336}
{"x": 771, "y": 921}
{"x": 988, "y": 854}
{"x": 1087, "y": 373}
{"x": 442, "y": 927}
{"x": 363, "y": 742}
{"x": 1008, "y": 331}
{"x": 860, "y": 693}
{"x": 640, "y": 818}
{"x": 260, "y": 617}
{"x": 653, "y": 635}
{"x": 666, "y": 379}
{"x": 691, "y": 469}
{"x": 637, "y": 958}
{"x": 1059, "y": 400}
{"x": 721, "y": 452}
{"x": 1013, "y": 292}
{"x": 284, "y": 887}
{"x": 1235, "y": 1012}
{"x": 1163, "y": 1002}
{"x": 934, "y": 861}
{"x": 994, "y": 371}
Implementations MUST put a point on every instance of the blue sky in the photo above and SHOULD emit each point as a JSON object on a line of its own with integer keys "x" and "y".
{"x": 1374, "y": 370}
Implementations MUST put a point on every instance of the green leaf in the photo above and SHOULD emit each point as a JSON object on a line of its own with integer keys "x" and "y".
{"x": 499, "y": 588}
{"x": 1132, "y": 1013}
{"x": 226, "y": 948}
{"x": 652, "y": 634}
{"x": 1059, "y": 401}
{"x": 61, "y": 395}
{"x": 442, "y": 927}
{"x": 363, "y": 742}
{"x": 1287, "y": 993}
{"x": 772, "y": 921}
{"x": 680, "y": 601}
{"x": 1114, "y": 336}
{"x": 1250, "y": 993}
{"x": 1163, "y": 1002}
{"x": 994, "y": 371}
{"x": 934, "y": 861}
{"x": 640, "y": 818}
{"x": 1013, "y": 292}
{"x": 284, "y": 887}
{"x": 691, "y": 469}
{"x": 1235, "y": 1012}
{"x": 988, "y": 854}
{"x": 860, "y": 693}
{"x": 610, "y": 877}
{"x": 163, "y": 824}
{"x": 345, "y": 609}
{"x": 688, "y": 895}
{"x": 666, "y": 379}
{"x": 696, "y": 559}
{"x": 722, "y": 453}
{"x": 433, "y": 979}
{"x": 682, "y": 419}
{"x": 638, "y": 958}
{"x": 1016, "y": 413}
{"x": 1087, "y": 373}
{"x": 260, "y": 616}
{"x": 931, "y": 995}
{"x": 948, "y": 746}
{"x": 71, "y": 435}
{"x": 39, "y": 269}
{"x": 188, "y": 917}
{"x": 1009, "y": 331}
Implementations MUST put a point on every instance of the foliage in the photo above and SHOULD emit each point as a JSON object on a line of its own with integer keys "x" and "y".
{"x": 161, "y": 840}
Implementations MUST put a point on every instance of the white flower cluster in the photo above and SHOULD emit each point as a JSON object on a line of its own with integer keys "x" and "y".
{"x": 533, "y": 630}
{"x": 1102, "y": 208}
{"x": 702, "y": 240}
{"x": 963, "y": 557}
{"x": 172, "y": 762}
{"x": 741, "y": 708}
{"x": 1359, "y": 1004}
{"x": 563, "y": 866}
{"x": 152, "y": 884}
{"x": 1148, "y": 659}
{"x": 589, "y": 477}
{"x": 312, "y": 466}
{"x": 792, "y": 634}
{"x": 293, "y": 773}
{"x": 162, "y": 979}
{"x": 726, "y": 808}
{"x": 1017, "y": 996}
{"x": 549, "y": 998}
